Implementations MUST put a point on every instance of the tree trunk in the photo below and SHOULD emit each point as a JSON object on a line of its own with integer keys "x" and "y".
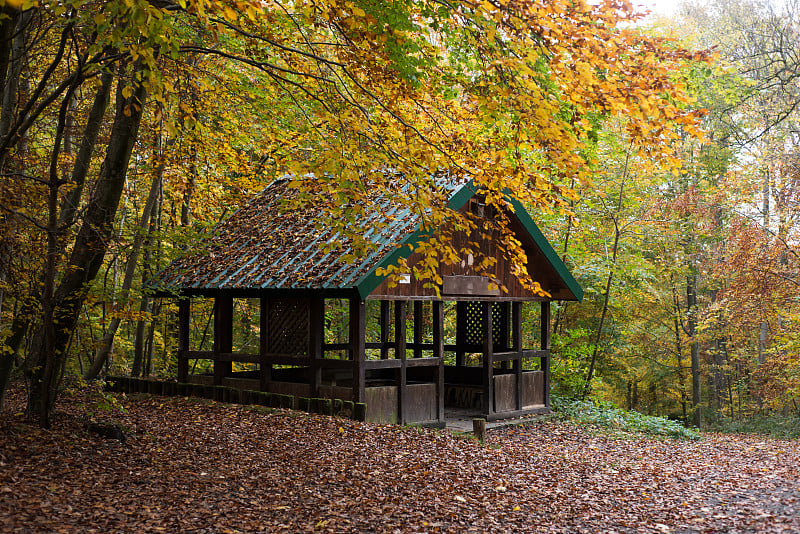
{"x": 765, "y": 214}
{"x": 80, "y": 169}
{"x": 691, "y": 306}
{"x": 599, "y": 333}
{"x": 101, "y": 355}
{"x": 14, "y": 50}
{"x": 10, "y": 353}
{"x": 609, "y": 280}
{"x": 48, "y": 353}
{"x": 11, "y": 43}
{"x": 8, "y": 23}
{"x": 140, "y": 341}
{"x": 562, "y": 309}
{"x": 678, "y": 325}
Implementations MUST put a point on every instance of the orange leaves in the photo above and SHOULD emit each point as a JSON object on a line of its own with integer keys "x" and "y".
{"x": 507, "y": 93}
{"x": 190, "y": 466}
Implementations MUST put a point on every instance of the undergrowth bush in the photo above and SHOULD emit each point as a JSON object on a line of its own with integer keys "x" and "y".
{"x": 776, "y": 426}
{"x": 614, "y": 419}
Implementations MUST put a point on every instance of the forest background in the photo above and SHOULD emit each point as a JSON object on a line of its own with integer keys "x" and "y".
{"x": 665, "y": 175}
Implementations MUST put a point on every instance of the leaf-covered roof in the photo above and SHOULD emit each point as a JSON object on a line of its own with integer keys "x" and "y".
{"x": 263, "y": 247}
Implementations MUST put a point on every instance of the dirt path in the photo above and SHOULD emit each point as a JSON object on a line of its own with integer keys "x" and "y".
{"x": 723, "y": 483}
{"x": 207, "y": 468}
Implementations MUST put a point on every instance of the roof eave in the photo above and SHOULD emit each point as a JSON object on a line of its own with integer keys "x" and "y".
{"x": 550, "y": 254}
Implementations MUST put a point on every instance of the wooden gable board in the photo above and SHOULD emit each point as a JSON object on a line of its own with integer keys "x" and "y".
{"x": 547, "y": 267}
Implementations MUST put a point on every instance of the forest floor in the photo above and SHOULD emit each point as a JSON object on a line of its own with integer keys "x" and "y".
{"x": 194, "y": 466}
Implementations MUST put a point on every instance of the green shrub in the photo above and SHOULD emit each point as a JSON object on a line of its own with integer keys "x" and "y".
{"x": 611, "y": 418}
{"x": 776, "y": 426}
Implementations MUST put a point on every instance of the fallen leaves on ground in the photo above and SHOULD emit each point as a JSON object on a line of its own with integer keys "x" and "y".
{"x": 190, "y": 466}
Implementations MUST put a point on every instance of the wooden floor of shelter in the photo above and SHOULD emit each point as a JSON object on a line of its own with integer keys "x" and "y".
{"x": 460, "y": 419}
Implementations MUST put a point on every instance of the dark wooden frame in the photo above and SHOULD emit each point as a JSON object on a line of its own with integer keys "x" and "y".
{"x": 511, "y": 358}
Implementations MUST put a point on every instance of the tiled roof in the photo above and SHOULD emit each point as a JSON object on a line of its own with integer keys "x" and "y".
{"x": 262, "y": 247}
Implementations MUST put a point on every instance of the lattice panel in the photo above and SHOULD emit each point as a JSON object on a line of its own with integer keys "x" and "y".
{"x": 288, "y": 327}
{"x": 499, "y": 326}
{"x": 474, "y": 328}
{"x": 473, "y": 323}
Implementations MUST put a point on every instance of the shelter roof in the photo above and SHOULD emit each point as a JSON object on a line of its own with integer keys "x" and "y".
{"x": 262, "y": 248}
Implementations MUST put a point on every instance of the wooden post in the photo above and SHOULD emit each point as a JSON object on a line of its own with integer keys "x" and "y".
{"x": 265, "y": 368}
{"x": 400, "y": 310}
{"x": 546, "y": 347}
{"x": 479, "y": 429}
{"x": 316, "y": 337}
{"x": 516, "y": 346}
{"x": 358, "y": 328}
{"x": 184, "y": 327}
{"x": 488, "y": 359}
{"x": 417, "y": 328}
{"x": 385, "y": 320}
{"x": 438, "y": 352}
{"x": 223, "y": 336}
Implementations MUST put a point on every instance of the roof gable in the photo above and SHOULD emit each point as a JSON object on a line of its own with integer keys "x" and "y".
{"x": 543, "y": 261}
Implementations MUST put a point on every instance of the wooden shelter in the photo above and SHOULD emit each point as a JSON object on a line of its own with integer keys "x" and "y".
{"x": 407, "y": 372}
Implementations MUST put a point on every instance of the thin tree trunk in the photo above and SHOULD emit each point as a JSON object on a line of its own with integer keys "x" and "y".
{"x": 148, "y": 353}
{"x": 562, "y": 309}
{"x": 762, "y": 331}
{"x": 80, "y": 169}
{"x": 139, "y": 344}
{"x": 50, "y": 365}
{"x": 691, "y": 305}
{"x": 19, "y": 329}
{"x": 101, "y": 355}
{"x": 607, "y": 293}
{"x": 8, "y": 24}
{"x": 679, "y": 350}
{"x": 599, "y": 333}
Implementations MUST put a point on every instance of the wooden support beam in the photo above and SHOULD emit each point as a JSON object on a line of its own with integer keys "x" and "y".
{"x": 388, "y": 363}
{"x": 291, "y": 359}
{"x": 338, "y": 346}
{"x": 385, "y": 322}
{"x": 336, "y": 364}
{"x": 391, "y": 363}
{"x": 223, "y": 336}
{"x": 184, "y": 317}
{"x": 545, "y": 324}
{"x": 358, "y": 329}
{"x": 438, "y": 352}
{"x": 265, "y": 367}
{"x": 400, "y": 310}
{"x": 316, "y": 337}
{"x": 422, "y": 362}
{"x": 418, "y": 324}
{"x": 516, "y": 345}
{"x": 199, "y": 354}
{"x": 488, "y": 360}
{"x": 242, "y": 357}
{"x": 501, "y": 357}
